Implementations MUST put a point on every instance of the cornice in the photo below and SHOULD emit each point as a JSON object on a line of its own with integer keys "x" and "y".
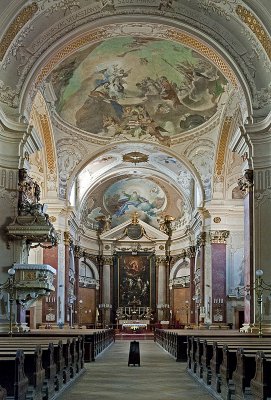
{"x": 263, "y": 126}
{"x": 11, "y": 125}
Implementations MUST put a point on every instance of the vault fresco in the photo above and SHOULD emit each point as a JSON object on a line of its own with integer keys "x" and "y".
{"x": 137, "y": 88}
{"x": 124, "y": 198}
{"x": 121, "y": 198}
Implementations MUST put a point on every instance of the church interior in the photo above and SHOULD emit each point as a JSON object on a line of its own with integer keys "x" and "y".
{"x": 135, "y": 177}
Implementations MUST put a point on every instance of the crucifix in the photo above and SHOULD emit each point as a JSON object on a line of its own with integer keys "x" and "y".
{"x": 134, "y": 303}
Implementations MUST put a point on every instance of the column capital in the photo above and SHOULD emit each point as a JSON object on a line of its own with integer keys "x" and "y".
{"x": 160, "y": 260}
{"x": 67, "y": 238}
{"x": 246, "y": 182}
{"x": 108, "y": 260}
{"x": 201, "y": 240}
{"x": 191, "y": 251}
{"x": 77, "y": 251}
{"x": 16, "y": 140}
{"x": 219, "y": 236}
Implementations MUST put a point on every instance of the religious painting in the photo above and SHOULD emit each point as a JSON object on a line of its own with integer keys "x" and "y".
{"x": 141, "y": 88}
{"x": 127, "y": 196}
{"x": 135, "y": 280}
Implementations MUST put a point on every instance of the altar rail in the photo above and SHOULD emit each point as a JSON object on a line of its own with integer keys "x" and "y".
{"x": 229, "y": 365}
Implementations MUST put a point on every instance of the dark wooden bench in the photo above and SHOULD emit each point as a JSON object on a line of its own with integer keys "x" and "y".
{"x": 13, "y": 366}
{"x": 244, "y": 372}
{"x": 44, "y": 368}
{"x": 3, "y": 393}
{"x": 260, "y": 385}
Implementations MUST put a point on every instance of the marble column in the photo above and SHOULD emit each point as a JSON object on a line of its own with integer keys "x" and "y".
{"x": 68, "y": 304}
{"x": 246, "y": 186}
{"x": 191, "y": 253}
{"x": 162, "y": 299}
{"x": 218, "y": 257}
{"x": 77, "y": 256}
{"x": 200, "y": 277}
{"x": 107, "y": 295}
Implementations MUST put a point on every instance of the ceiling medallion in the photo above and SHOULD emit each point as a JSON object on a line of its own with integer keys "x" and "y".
{"x": 135, "y": 157}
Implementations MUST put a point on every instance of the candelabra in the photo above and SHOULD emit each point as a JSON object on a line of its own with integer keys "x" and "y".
{"x": 259, "y": 287}
{"x": 9, "y": 288}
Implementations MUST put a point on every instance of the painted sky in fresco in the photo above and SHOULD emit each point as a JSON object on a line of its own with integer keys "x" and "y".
{"x": 127, "y": 196}
{"x": 139, "y": 88}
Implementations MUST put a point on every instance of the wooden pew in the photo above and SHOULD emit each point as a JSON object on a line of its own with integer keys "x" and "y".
{"x": 244, "y": 372}
{"x": 209, "y": 364}
{"x": 46, "y": 367}
{"x": 50, "y": 382}
{"x": 260, "y": 385}
{"x": 3, "y": 393}
{"x": 227, "y": 367}
{"x": 17, "y": 387}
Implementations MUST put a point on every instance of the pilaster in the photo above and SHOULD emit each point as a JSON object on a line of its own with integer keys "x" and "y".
{"x": 218, "y": 258}
{"x": 256, "y": 185}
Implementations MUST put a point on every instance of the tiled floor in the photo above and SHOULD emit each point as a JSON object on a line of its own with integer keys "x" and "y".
{"x": 159, "y": 377}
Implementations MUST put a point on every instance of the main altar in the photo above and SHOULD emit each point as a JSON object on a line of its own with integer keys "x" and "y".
{"x": 134, "y": 325}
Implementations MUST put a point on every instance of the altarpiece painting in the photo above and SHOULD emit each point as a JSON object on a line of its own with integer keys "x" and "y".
{"x": 134, "y": 280}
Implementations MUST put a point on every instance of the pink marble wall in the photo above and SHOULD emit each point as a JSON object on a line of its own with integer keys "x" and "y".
{"x": 49, "y": 305}
{"x": 219, "y": 282}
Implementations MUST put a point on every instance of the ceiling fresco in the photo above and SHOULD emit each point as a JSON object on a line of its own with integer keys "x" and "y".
{"x": 120, "y": 198}
{"x": 154, "y": 162}
{"x": 135, "y": 88}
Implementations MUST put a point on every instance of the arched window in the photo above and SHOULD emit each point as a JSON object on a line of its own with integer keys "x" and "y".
{"x": 86, "y": 276}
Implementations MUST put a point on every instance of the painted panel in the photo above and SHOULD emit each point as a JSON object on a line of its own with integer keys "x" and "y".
{"x": 134, "y": 281}
{"x": 137, "y": 88}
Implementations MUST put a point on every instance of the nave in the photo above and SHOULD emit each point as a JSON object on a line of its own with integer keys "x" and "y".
{"x": 159, "y": 376}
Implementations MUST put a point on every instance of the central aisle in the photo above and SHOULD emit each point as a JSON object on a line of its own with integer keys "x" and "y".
{"x": 159, "y": 377}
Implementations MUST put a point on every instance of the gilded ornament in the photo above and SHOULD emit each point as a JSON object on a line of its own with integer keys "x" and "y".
{"x": 201, "y": 239}
{"x": 256, "y": 27}
{"x": 106, "y": 32}
{"x": 219, "y": 237}
{"x": 135, "y": 157}
{"x": 246, "y": 182}
{"x": 206, "y": 51}
{"x": 18, "y": 23}
{"x": 223, "y": 145}
{"x": 47, "y": 135}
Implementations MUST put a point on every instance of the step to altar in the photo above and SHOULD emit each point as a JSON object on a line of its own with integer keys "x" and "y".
{"x": 134, "y": 336}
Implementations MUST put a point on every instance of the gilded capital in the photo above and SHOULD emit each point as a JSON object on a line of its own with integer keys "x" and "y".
{"x": 77, "y": 251}
{"x": 246, "y": 182}
{"x": 191, "y": 252}
{"x": 108, "y": 261}
{"x": 201, "y": 239}
{"x": 67, "y": 238}
{"x": 219, "y": 236}
{"x": 160, "y": 260}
